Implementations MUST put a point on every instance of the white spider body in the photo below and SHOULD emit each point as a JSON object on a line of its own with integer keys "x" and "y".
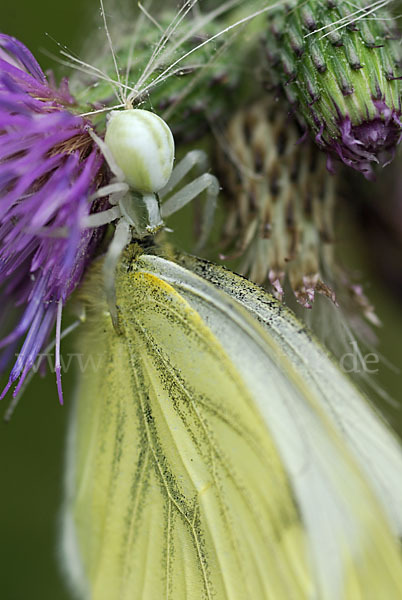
{"x": 142, "y": 146}
{"x": 139, "y": 149}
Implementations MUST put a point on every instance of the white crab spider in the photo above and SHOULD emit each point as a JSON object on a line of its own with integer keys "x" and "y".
{"x": 139, "y": 149}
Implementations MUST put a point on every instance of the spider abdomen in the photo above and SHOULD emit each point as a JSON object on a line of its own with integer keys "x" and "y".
{"x": 143, "y": 147}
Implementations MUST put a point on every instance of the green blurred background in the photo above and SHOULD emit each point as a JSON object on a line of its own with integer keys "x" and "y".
{"x": 32, "y": 445}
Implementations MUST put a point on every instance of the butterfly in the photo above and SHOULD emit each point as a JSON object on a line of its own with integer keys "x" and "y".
{"x": 218, "y": 451}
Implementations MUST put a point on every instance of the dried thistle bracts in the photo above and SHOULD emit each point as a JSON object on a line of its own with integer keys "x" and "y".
{"x": 279, "y": 201}
{"x": 279, "y": 209}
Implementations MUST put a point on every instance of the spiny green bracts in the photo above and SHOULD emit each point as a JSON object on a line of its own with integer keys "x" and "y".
{"x": 189, "y": 81}
{"x": 339, "y": 65}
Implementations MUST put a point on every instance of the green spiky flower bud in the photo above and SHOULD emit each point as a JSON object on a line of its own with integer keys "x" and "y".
{"x": 339, "y": 66}
{"x": 183, "y": 73}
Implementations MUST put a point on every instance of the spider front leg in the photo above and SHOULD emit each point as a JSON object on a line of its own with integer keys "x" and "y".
{"x": 118, "y": 187}
{"x": 195, "y": 158}
{"x": 205, "y": 182}
{"x": 102, "y": 218}
{"x": 121, "y": 239}
{"x": 104, "y": 148}
{"x": 115, "y": 191}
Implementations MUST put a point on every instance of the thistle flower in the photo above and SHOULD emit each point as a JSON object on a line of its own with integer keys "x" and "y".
{"x": 48, "y": 169}
{"x": 339, "y": 67}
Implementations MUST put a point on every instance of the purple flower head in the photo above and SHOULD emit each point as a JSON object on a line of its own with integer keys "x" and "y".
{"x": 373, "y": 141}
{"x": 49, "y": 166}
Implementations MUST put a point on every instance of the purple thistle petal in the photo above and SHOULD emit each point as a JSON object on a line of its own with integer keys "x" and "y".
{"x": 28, "y": 315}
{"x": 371, "y": 142}
{"x": 49, "y": 167}
{"x": 21, "y": 56}
{"x": 31, "y": 350}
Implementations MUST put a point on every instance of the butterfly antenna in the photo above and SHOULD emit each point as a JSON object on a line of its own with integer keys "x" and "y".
{"x": 359, "y": 14}
{"x": 103, "y": 110}
{"x": 138, "y": 25}
{"x": 92, "y": 70}
{"x": 148, "y": 15}
{"x": 200, "y": 22}
{"x": 364, "y": 12}
{"x": 194, "y": 80}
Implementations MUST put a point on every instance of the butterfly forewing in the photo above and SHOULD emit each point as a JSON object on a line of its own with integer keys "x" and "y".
{"x": 205, "y": 465}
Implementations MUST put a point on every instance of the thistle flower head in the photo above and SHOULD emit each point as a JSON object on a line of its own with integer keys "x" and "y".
{"x": 48, "y": 169}
{"x": 339, "y": 67}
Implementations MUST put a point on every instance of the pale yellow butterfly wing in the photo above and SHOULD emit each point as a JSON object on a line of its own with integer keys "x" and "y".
{"x": 203, "y": 464}
{"x": 362, "y": 428}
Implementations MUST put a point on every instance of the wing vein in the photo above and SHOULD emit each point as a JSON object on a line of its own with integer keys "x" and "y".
{"x": 165, "y": 482}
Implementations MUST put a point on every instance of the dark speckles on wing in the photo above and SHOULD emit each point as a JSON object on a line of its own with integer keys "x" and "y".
{"x": 196, "y": 502}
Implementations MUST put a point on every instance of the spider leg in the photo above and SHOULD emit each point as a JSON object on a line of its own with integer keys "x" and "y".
{"x": 206, "y": 182}
{"x": 116, "y": 188}
{"x": 108, "y": 156}
{"x": 101, "y": 218}
{"x": 212, "y": 192}
{"x": 120, "y": 240}
{"x": 194, "y": 158}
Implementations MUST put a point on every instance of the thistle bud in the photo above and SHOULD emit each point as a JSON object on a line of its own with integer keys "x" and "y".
{"x": 339, "y": 66}
{"x": 189, "y": 80}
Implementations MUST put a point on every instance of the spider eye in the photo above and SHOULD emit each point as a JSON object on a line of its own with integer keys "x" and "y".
{"x": 143, "y": 147}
